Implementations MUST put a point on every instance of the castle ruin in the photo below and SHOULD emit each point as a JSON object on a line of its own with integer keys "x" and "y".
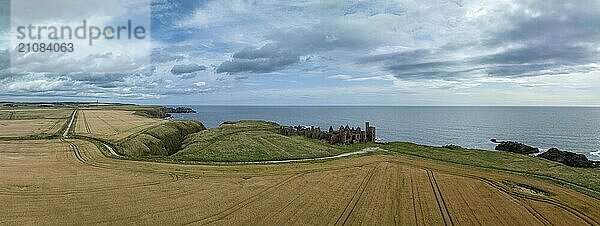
{"x": 345, "y": 135}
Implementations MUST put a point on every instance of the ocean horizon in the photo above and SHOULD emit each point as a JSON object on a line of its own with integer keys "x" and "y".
{"x": 575, "y": 128}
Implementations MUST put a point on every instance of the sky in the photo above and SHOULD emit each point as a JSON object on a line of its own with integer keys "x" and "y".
{"x": 347, "y": 52}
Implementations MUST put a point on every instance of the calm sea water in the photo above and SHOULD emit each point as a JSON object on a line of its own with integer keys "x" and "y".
{"x": 575, "y": 129}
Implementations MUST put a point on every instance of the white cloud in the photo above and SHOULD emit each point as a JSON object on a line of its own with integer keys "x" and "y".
{"x": 340, "y": 77}
{"x": 200, "y": 84}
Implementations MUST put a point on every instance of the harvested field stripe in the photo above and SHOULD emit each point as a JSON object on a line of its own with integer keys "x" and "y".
{"x": 398, "y": 188}
{"x": 443, "y": 203}
{"x": 517, "y": 196}
{"x": 355, "y": 198}
{"x": 536, "y": 214}
{"x": 78, "y": 155}
{"x": 416, "y": 201}
{"x": 573, "y": 211}
{"x": 361, "y": 192}
{"x": 232, "y": 209}
{"x": 105, "y": 122}
{"x": 87, "y": 125}
{"x": 435, "y": 194}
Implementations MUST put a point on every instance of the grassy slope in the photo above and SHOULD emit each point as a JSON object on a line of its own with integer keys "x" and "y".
{"x": 164, "y": 139}
{"x": 589, "y": 178}
{"x": 253, "y": 141}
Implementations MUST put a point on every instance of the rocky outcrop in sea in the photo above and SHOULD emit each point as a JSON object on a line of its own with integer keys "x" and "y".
{"x": 568, "y": 158}
{"x": 514, "y": 147}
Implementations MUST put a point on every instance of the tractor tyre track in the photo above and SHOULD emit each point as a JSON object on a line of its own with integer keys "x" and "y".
{"x": 439, "y": 198}
{"x": 356, "y": 196}
{"x": 245, "y": 202}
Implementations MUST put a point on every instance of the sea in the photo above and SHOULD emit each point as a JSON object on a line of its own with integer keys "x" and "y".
{"x": 575, "y": 129}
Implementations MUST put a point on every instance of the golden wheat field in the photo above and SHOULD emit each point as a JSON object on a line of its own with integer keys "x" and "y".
{"x": 111, "y": 125}
{"x": 35, "y": 113}
{"x": 70, "y": 182}
{"x": 27, "y": 122}
{"x": 26, "y": 127}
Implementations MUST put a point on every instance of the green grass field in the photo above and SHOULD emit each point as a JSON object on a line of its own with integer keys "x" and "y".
{"x": 253, "y": 141}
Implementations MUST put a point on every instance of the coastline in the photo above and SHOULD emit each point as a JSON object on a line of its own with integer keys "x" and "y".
{"x": 456, "y": 125}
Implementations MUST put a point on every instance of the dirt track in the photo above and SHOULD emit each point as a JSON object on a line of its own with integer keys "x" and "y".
{"x": 71, "y": 182}
{"x": 66, "y": 132}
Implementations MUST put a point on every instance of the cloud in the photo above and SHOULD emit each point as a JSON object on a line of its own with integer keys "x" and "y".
{"x": 186, "y": 68}
{"x": 266, "y": 59}
{"x": 340, "y": 77}
{"x": 162, "y": 55}
{"x": 4, "y": 59}
{"x": 553, "y": 36}
{"x": 427, "y": 47}
{"x": 529, "y": 38}
{"x": 200, "y": 83}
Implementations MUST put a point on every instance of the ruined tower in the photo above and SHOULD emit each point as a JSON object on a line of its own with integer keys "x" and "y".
{"x": 370, "y": 132}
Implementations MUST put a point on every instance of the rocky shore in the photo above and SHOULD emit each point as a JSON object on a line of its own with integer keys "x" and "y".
{"x": 568, "y": 158}
{"x": 515, "y": 147}
{"x": 553, "y": 154}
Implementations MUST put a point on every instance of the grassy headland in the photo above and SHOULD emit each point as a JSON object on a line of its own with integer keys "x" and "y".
{"x": 253, "y": 141}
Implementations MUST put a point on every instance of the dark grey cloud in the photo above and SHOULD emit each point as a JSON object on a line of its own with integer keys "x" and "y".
{"x": 538, "y": 60}
{"x": 259, "y": 65}
{"x": 449, "y": 72}
{"x": 289, "y": 45}
{"x": 180, "y": 69}
{"x": 323, "y": 37}
{"x": 553, "y": 22}
{"x": 399, "y": 57}
{"x": 102, "y": 80}
{"x": 560, "y": 36}
{"x": 266, "y": 59}
{"x": 542, "y": 38}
